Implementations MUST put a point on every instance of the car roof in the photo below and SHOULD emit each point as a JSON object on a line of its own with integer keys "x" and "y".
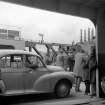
{"x": 7, "y": 52}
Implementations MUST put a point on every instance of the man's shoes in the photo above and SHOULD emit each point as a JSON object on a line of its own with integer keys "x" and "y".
{"x": 86, "y": 93}
{"x": 92, "y": 95}
{"x": 77, "y": 90}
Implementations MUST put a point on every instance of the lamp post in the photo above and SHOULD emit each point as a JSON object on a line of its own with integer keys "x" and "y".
{"x": 42, "y": 37}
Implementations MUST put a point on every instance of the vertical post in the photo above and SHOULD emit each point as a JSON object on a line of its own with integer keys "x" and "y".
{"x": 30, "y": 49}
{"x": 84, "y": 35}
{"x": 81, "y": 36}
{"x": 97, "y": 70}
{"x": 92, "y": 34}
{"x": 88, "y": 34}
{"x": 101, "y": 48}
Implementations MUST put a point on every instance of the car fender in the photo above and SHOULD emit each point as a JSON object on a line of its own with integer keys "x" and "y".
{"x": 58, "y": 76}
{"x": 48, "y": 82}
{"x": 42, "y": 83}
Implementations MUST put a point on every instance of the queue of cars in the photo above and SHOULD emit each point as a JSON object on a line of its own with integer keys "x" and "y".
{"x": 23, "y": 72}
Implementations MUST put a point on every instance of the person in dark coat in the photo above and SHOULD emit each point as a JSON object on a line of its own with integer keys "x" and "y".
{"x": 86, "y": 74}
{"x": 71, "y": 62}
{"x": 92, "y": 69}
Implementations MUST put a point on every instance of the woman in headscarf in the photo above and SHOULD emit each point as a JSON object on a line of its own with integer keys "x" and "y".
{"x": 78, "y": 68}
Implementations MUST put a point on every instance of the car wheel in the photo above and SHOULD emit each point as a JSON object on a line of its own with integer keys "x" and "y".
{"x": 62, "y": 89}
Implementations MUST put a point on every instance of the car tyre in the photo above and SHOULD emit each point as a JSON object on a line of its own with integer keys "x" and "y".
{"x": 62, "y": 89}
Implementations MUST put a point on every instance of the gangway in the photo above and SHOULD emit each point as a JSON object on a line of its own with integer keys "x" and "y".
{"x": 51, "y": 52}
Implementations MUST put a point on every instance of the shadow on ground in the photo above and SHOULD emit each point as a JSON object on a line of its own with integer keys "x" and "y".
{"x": 13, "y": 100}
{"x": 16, "y": 100}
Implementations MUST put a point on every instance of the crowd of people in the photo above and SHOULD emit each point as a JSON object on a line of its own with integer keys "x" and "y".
{"x": 85, "y": 69}
{"x": 84, "y": 65}
{"x": 65, "y": 60}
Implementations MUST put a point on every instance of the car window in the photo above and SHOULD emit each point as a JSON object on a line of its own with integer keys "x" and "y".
{"x": 17, "y": 61}
{"x": 5, "y": 62}
{"x": 33, "y": 60}
{"x": 13, "y": 61}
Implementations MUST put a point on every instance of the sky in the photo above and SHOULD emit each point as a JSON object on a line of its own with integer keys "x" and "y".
{"x": 56, "y": 27}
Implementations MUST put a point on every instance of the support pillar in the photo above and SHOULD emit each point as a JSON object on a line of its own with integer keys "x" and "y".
{"x": 101, "y": 47}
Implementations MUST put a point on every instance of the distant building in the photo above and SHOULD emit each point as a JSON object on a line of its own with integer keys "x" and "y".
{"x": 10, "y": 39}
{"x": 9, "y": 34}
{"x": 12, "y": 44}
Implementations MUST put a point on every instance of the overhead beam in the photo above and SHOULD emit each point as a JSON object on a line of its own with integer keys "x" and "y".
{"x": 61, "y": 6}
{"x": 77, "y": 10}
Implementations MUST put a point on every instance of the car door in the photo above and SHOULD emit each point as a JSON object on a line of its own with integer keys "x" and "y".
{"x": 33, "y": 72}
{"x": 12, "y": 73}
